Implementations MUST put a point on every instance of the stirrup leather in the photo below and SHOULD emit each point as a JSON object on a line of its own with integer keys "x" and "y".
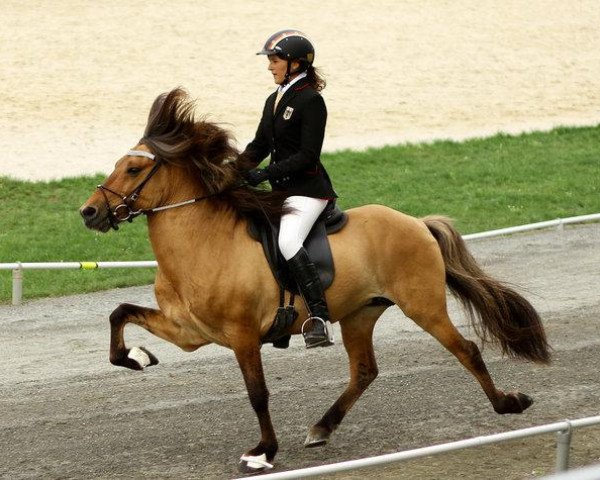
{"x": 326, "y": 325}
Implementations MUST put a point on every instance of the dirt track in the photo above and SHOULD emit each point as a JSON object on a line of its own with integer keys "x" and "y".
{"x": 67, "y": 413}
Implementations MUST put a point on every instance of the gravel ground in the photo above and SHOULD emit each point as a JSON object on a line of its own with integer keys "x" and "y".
{"x": 67, "y": 413}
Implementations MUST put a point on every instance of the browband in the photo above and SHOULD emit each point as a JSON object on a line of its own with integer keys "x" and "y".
{"x": 141, "y": 153}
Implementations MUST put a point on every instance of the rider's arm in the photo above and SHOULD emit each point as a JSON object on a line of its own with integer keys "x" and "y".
{"x": 258, "y": 149}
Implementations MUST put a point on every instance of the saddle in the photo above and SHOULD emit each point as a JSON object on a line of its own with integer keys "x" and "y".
{"x": 332, "y": 220}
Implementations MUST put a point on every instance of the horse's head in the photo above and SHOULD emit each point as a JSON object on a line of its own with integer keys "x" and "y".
{"x": 177, "y": 156}
{"x": 127, "y": 192}
{"x": 178, "y": 161}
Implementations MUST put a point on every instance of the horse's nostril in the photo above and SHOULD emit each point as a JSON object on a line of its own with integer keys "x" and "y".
{"x": 88, "y": 212}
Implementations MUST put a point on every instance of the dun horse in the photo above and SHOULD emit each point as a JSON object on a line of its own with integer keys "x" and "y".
{"x": 214, "y": 285}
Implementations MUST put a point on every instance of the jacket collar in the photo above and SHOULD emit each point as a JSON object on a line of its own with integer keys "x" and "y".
{"x": 292, "y": 83}
{"x": 289, "y": 94}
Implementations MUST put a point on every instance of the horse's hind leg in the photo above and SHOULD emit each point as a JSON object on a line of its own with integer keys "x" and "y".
{"x": 439, "y": 326}
{"x": 357, "y": 334}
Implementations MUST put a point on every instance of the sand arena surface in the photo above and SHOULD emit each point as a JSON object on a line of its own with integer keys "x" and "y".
{"x": 78, "y": 79}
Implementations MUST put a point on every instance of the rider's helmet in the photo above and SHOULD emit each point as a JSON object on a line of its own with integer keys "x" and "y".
{"x": 290, "y": 45}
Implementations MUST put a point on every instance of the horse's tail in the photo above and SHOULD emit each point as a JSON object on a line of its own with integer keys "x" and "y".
{"x": 503, "y": 314}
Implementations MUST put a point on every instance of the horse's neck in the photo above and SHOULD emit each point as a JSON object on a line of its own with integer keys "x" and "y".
{"x": 198, "y": 234}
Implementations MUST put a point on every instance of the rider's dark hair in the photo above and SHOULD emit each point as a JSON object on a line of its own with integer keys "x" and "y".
{"x": 315, "y": 78}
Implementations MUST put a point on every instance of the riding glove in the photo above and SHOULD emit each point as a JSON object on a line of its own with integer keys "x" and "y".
{"x": 256, "y": 176}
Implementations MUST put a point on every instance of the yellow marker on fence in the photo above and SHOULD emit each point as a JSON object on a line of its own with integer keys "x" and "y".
{"x": 88, "y": 265}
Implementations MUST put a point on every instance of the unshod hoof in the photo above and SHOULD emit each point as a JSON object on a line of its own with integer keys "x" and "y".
{"x": 514, "y": 402}
{"x": 525, "y": 400}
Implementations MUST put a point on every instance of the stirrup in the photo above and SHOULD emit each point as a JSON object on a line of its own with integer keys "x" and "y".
{"x": 325, "y": 341}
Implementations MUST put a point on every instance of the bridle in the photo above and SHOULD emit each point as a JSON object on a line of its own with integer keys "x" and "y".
{"x": 125, "y": 211}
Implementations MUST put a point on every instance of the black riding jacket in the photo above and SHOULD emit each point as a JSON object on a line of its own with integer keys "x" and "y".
{"x": 293, "y": 136}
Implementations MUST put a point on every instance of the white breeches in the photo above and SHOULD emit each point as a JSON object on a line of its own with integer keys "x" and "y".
{"x": 296, "y": 226}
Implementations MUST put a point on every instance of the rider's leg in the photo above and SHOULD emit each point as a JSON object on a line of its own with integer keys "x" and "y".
{"x": 294, "y": 229}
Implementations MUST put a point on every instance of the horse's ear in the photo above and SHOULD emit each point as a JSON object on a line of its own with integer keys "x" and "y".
{"x": 157, "y": 104}
{"x": 168, "y": 110}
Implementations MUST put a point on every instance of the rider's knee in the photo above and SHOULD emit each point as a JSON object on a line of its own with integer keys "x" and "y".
{"x": 289, "y": 246}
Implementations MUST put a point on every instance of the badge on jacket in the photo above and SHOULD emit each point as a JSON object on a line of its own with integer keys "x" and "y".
{"x": 288, "y": 113}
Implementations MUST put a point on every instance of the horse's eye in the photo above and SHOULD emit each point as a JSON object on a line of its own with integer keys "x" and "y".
{"x": 133, "y": 170}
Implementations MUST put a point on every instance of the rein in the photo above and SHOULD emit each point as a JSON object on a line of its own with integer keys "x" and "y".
{"x": 125, "y": 211}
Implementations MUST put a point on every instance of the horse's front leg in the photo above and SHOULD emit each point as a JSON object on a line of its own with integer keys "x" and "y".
{"x": 152, "y": 320}
{"x": 260, "y": 458}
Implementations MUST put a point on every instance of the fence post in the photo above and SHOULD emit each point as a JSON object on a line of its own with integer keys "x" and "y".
{"x": 563, "y": 445}
{"x": 17, "y": 285}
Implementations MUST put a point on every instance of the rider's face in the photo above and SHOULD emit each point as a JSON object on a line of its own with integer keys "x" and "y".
{"x": 278, "y": 67}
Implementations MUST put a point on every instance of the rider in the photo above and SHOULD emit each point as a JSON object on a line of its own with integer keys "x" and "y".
{"x": 291, "y": 131}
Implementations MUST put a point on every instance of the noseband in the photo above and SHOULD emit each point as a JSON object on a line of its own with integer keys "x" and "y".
{"x": 125, "y": 212}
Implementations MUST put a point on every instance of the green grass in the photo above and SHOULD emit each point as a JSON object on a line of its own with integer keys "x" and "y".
{"x": 41, "y": 223}
{"x": 483, "y": 184}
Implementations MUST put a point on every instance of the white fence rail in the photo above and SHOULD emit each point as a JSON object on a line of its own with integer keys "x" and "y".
{"x": 562, "y": 429}
{"x": 559, "y": 222}
{"x": 18, "y": 267}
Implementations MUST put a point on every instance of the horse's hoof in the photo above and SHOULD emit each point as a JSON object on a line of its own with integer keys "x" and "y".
{"x": 317, "y": 436}
{"x": 254, "y": 464}
{"x": 524, "y": 400}
{"x": 514, "y": 402}
{"x": 138, "y": 358}
{"x": 153, "y": 359}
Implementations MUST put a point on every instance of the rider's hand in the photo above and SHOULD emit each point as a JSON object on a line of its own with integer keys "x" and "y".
{"x": 256, "y": 176}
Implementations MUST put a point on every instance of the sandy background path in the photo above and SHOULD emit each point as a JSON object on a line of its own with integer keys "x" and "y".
{"x": 77, "y": 79}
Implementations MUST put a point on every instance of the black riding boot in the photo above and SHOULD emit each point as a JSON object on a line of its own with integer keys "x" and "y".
{"x": 309, "y": 283}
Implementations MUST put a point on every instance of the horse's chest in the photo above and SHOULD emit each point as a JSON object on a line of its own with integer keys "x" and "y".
{"x": 195, "y": 321}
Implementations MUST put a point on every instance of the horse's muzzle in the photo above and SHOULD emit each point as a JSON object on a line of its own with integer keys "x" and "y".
{"x": 95, "y": 218}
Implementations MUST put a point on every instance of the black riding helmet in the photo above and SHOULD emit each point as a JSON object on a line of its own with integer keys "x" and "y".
{"x": 290, "y": 45}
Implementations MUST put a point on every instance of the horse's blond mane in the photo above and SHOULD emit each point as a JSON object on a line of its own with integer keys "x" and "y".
{"x": 175, "y": 136}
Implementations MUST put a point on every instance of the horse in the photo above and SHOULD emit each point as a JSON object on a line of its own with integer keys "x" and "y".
{"x": 214, "y": 285}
